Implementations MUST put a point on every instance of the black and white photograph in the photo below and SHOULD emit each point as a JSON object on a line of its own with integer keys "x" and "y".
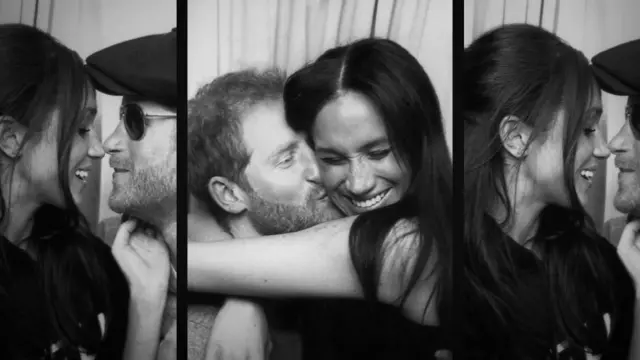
{"x": 317, "y": 133}
{"x": 332, "y": 179}
{"x": 88, "y": 99}
{"x": 549, "y": 112}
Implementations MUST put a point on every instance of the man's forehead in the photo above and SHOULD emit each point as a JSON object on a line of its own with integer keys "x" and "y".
{"x": 264, "y": 128}
{"x": 148, "y": 106}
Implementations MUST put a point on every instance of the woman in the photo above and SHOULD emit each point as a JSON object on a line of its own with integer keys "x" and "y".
{"x": 62, "y": 295}
{"x": 373, "y": 119}
{"x": 540, "y": 282}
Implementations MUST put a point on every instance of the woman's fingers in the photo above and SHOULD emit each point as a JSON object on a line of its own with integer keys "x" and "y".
{"x": 124, "y": 234}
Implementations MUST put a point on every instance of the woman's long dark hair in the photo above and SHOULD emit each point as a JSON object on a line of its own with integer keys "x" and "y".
{"x": 392, "y": 79}
{"x": 530, "y": 73}
{"x": 39, "y": 75}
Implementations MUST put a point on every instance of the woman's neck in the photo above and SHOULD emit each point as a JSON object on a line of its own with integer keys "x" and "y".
{"x": 525, "y": 206}
{"x": 20, "y": 207}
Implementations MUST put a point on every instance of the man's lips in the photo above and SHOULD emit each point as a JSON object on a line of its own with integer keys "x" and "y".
{"x": 623, "y": 166}
{"x": 117, "y": 166}
{"x": 624, "y": 169}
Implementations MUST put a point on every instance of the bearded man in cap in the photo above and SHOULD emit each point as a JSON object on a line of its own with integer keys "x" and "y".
{"x": 142, "y": 152}
{"x": 617, "y": 71}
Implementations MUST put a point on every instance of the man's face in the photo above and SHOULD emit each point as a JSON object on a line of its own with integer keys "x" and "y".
{"x": 626, "y": 147}
{"x": 144, "y": 177}
{"x": 282, "y": 176}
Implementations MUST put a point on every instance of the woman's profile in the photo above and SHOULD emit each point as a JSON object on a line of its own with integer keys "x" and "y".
{"x": 540, "y": 281}
{"x": 62, "y": 294}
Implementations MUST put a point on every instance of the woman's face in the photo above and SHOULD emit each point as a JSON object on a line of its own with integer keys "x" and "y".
{"x": 545, "y": 160}
{"x": 354, "y": 155}
{"x": 39, "y": 164}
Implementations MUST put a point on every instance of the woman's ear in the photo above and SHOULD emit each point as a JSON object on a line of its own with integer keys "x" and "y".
{"x": 11, "y": 136}
{"x": 514, "y": 135}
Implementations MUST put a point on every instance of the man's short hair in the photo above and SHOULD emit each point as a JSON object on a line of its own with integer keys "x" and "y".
{"x": 215, "y": 129}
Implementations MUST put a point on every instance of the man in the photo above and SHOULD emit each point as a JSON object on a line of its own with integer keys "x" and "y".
{"x": 142, "y": 153}
{"x": 618, "y": 73}
{"x": 251, "y": 172}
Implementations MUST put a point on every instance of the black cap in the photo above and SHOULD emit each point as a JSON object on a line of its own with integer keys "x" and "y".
{"x": 618, "y": 69}
{"x": 144, "y": 67}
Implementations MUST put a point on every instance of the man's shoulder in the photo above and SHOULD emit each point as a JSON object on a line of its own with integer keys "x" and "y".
{"x": 203, "y": 228}
{"x": 200, "y": 319}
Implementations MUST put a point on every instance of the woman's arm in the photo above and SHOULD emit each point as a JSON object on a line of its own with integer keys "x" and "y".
{"x": 143, "y": 332}
{"x": 145, "y": 262}
{"x": 634, "y": 351}
{"x": 313, "y": 262}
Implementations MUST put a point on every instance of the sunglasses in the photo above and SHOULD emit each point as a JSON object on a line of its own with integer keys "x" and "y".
{"x": 135, "y": 120}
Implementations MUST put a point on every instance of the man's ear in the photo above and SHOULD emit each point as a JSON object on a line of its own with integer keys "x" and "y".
{"x": 227, "y": 194}
{"x": 514, "y": 135}
{"x": 11, "y": 136}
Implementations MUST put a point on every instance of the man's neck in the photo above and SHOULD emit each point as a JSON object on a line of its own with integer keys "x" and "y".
{"x": 166, "y": 225}
{"x": 170, "y": 235}
{"x": 242, "y": 228}
{"x": 205, "y": 228}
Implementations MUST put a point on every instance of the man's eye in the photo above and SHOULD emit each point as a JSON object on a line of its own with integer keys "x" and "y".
{"x": 286, "y": 162}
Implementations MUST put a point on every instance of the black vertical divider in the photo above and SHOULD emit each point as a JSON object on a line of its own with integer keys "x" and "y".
{"x": 458, "y": 181}
{"x": 182, "y": 205}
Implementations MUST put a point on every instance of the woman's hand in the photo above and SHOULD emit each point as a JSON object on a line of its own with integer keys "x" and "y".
{"x": 144, "y": 260}
{"x": 240, "y": 331}
{"x": 629, "y": 252}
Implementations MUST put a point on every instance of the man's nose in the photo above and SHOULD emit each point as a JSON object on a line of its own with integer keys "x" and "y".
{"x": 620, "y": 142}
{"x": 114, "y": 142}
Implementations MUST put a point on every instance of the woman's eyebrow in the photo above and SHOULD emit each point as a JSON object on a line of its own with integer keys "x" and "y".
{"x": 375, "y": 142}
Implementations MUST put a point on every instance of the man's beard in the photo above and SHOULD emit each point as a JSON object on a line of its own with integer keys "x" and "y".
{"x": 149, "y": 190}
{"x": 271, "y": 218}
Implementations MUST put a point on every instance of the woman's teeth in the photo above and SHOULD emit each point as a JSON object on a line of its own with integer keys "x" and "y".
{"x": 371, "y": 202}
{"x": 587, "y": 174}
{"x": 82, "y": 175}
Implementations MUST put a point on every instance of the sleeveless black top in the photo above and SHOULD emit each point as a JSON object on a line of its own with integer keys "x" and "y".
{"x": 26, "y": 331}
{"x": 356, "y": 329}
{"x": 534, "y": 337}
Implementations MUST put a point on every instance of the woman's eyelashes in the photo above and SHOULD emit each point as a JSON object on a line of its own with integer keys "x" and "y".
{"x": 379, "y": 154}
{"x": 333, "y": 160}
{"x": 84, "y": 130}
{"x": 340, "y": 160}
{"x": 589, "y": 131}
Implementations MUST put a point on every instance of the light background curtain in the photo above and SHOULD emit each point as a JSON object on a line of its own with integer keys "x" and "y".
{"x": 86, "y": 27}
{"x": 228, "y": 35}
{"x": 588, "y": 25}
